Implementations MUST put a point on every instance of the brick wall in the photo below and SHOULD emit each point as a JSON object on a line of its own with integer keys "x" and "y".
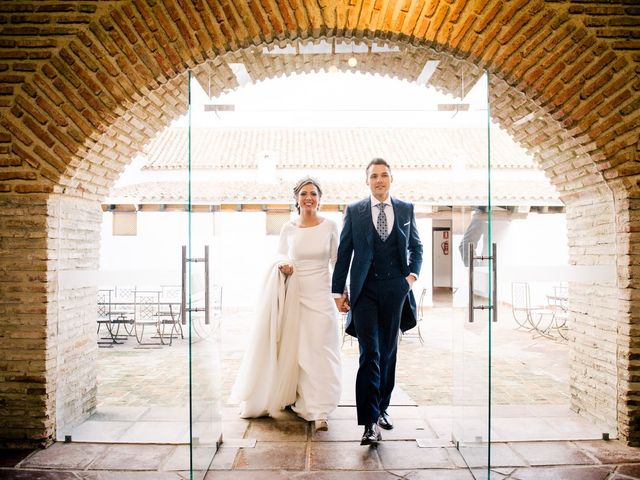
{"x": 84, "y": 85}
{"x": 24, "y": 395}
{"x": 594, "y": 306}
{"x": 49, "y": 250}
{"x": 74, "y": 239}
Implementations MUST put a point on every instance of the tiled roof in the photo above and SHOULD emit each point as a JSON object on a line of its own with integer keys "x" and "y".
{"x": 233, "y": 148}
{"x": 433, "y": 193}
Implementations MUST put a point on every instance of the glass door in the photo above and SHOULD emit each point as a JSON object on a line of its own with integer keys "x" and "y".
{"x": 473, "y": 276}
{"x": 202, "y": 297}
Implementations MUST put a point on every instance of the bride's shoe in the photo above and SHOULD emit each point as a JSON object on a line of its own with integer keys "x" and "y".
{"x": 321, "y": 425}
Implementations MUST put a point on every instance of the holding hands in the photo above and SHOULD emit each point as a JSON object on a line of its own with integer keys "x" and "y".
{"x": 343, "y": 304}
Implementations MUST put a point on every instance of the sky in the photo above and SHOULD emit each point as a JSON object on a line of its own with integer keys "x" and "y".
{"x": 334, "y": 100}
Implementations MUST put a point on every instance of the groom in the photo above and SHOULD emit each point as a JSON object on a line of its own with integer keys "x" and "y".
{"x": 380, "y": 234}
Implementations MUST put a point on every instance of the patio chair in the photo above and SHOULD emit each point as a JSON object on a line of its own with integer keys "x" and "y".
{"x": 216, "y": 302}
{"x": 417, "y": 333}
{"x": 343, "y": 325}
{"x": 527, "y": 316}
{"x": 202, "y": 326}
{"x": 146, "y": 309}
{"x": 104, "y": 319}
{"x": 558, "y": 303}
{"x": 112, "y": 318}
{"x": 169, "y": 313}
{"x": 123, "y": 301}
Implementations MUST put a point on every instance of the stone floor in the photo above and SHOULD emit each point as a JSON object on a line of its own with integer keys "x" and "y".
{"x": 289, "y": 448}
{"x": 535, "y": 434}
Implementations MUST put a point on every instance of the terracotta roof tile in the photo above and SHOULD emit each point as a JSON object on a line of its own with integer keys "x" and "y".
{"x": 231, "y": 148}
{"x": 434, "y": 193}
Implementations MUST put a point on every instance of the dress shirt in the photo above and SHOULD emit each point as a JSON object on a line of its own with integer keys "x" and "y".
{"x": 375, "y": 211}
{"x": 388, "y": 210}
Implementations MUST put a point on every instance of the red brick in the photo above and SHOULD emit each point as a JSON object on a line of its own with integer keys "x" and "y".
{"x": 611, "y": 105}
{"x": 632, "y": 107}
{"x": 407, "y": 27}
{"x": 626, "y": 45}
{"x": 597, "y": 84}
{"x": 33, "y": 188}
{"x": 13, "y": 54}
{"x": 461, "y": 31}
{"x": 15, "y": 130}
{"x": 28, "y": 107}
{"x": 487, "y": 18}
{"x": 437, "y": 21}
{"x": 52, "y": 111}
{"x": 78, "y": 121}
{"x": 10, "y": 78}
{"x": 29, "y": 89}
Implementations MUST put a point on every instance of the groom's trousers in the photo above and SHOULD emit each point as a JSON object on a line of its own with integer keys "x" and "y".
{"x": 376, "y": 317}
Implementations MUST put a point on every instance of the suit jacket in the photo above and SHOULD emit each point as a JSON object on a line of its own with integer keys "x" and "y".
{"x": 356, "y": 240}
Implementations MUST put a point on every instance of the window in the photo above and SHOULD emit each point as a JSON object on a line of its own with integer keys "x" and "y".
{"x": 125, "y": 224}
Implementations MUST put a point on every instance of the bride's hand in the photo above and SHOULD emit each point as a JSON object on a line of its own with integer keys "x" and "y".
{"x": 286, "y": 268}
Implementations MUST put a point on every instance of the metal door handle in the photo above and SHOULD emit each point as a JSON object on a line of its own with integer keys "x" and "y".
{"x": 183, "y": 289}
{"x": 184, "y": 308}
{"x": 471, "y": 258}
{"x": 494, "y": 263}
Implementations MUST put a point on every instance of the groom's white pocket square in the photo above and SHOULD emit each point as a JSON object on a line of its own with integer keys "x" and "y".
{"x": 407, "y": 223}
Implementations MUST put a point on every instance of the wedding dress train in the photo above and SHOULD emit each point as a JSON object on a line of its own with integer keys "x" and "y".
{"x": 293, "y": 356}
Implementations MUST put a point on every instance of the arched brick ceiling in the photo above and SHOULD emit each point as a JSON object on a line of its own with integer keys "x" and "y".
{"x": 83, "y": 86}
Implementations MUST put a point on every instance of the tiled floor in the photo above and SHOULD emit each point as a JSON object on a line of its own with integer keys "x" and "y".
{"x": 143, "y": 396}
{"x": 289, "y": 448}
{"x": 143, "y": 393}
{"x": 170, "y": 424}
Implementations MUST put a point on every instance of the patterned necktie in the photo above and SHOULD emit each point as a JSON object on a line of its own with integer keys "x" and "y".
{"x": 381, "y": 224}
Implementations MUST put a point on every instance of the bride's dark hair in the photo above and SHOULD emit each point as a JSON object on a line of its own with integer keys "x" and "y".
{"x": 301, "y": 183}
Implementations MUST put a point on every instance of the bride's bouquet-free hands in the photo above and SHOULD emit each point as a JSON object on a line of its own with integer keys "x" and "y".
{"x": 286, "y": 268}
{"x": 343, "y": 304}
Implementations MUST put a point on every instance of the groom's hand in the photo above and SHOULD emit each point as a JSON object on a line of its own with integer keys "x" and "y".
{"x": 342, "y": 303}
{"x": 410, "y": 279}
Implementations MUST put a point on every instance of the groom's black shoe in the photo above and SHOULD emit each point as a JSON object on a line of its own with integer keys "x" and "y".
{"x": 384, "y": 420}
{"x": 371, "y": 435}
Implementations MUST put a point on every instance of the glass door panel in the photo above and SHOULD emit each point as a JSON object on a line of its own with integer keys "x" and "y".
{"x": 546, "y": 313}
{"x": 122, "y": 355}
{"x": 472, "y": 277}
{"x": 203, "y": 305}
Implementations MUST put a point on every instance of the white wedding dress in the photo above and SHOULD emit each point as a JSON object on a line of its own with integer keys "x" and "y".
{"x": 293, "y": 357}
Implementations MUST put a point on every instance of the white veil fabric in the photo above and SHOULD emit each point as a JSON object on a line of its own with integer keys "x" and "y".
{"x": 268, "y": 376}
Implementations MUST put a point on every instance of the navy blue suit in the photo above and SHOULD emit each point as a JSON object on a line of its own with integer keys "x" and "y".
{"x": 381, "y": 301}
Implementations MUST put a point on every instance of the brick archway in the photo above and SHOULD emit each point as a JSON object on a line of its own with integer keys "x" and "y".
{"x": 84, "y": 86}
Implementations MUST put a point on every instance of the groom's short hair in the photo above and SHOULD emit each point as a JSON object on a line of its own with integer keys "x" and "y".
{"x": 377, "y": 161}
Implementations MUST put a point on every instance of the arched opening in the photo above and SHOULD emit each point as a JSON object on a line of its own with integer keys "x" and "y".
{"x": 585, "y": 134}
{"x": 511, "y": 209}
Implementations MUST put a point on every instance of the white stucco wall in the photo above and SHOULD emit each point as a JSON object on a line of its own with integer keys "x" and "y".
{"x": 532, "y": 249}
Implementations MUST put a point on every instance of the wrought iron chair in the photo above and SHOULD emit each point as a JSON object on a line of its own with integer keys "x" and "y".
{"x": 169, "y": 312}
{"x": 417, "y": 333}
{"x": 559, "y": 304}
{"x": 538, "y": 319}
{"x": 147, "y": 307}
{"x": 112, "y": 317}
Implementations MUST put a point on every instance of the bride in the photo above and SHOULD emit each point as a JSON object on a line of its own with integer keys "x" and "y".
{"x": 293, "y": 357}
